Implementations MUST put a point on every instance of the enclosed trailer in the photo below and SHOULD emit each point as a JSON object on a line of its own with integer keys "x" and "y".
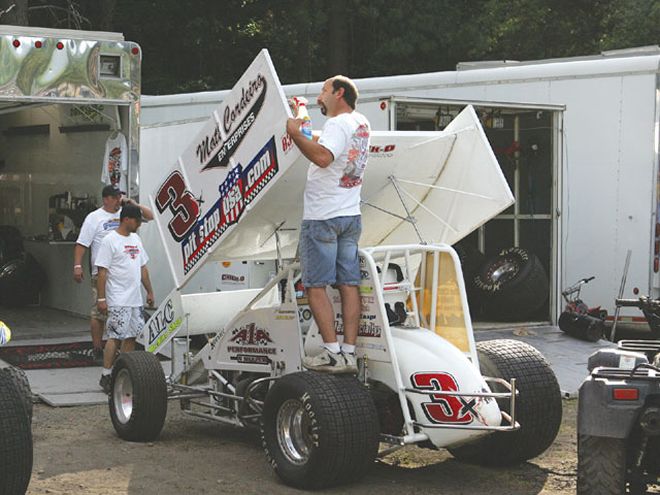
{"x": 576, "y": 138}
{"x": 69, "y": 108}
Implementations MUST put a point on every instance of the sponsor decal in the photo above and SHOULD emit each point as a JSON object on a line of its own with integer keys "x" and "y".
{"x": 444, "y": 409}
{"x": 211, "y": 151}
{"x": 239, "y": 189}
{"x": 248, "y": 359}
{"x": 251, "y": 345}
{"x": 386, "y": 151}
{"x": 366, "y": 328}
{"x": 161, "y": 325}
{"x": 364, "y": 275}
{"x": 287, "y": 143}
{"x": 228, "y": 277}
{"x": 366, "y": 289}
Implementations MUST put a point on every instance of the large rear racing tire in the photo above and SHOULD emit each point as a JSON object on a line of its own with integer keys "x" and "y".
{"x": 319, "y": 430}
{"x": 601, "y": 465}
{"x": 538, "y": 407}
{"x": 23, "y": 385}
{"x": 138, "y": 397}
{"x": 15, "y": 439}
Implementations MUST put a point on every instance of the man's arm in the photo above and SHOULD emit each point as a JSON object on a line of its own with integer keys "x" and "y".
{"x": 147, "y": 285}
{"x": 78, "y": 253}
{"x": 101, "y": 303}
{"x": 313, "y": 151}
{"x": 147, "y": 214}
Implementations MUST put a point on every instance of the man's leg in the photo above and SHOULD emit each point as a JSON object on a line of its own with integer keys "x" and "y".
{"x": 96, "y": 327}
{"x": 321, "y": 308}
{"x": 350, "y": 310}
{"x": 109, "y": 353}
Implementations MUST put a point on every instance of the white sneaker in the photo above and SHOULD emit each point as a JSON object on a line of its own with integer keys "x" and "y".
{"x": 326, "y": 361}
{"x": 351, "y": 363}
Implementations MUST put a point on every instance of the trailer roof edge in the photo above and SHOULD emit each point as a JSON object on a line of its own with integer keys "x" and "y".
{"x": 7, "y": 30}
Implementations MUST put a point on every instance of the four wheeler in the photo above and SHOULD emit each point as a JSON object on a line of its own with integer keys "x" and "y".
{"x": 619, "y": 420}
{"x": 422, "y": 379}
{"x": 578, "y": 319}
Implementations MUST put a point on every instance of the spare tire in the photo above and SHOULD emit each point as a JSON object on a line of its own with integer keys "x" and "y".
{"x": 21, "y": 280}
{"x": 513, "y": 285}
{"x": 471, "y": 261}
{"x": 11, "y": 243}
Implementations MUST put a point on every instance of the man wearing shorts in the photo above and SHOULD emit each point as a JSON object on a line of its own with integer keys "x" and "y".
{"x": 331, "y": 221}
{"x": 121, "y": 263}
{"x": 96, "y": 226}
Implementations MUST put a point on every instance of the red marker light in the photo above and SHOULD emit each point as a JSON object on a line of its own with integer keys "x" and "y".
{"x": 38, "y": 44}
{"x": 59, "y": 45}
{"x": 135, "y": 50}
{"x": 636, "y": 290}
{"x": 383, "y": 105}
{"x": 625, "y": 394}
{"x": 16, "y": 43}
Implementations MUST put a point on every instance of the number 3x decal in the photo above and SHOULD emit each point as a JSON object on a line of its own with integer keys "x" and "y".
{"x": 182, "y": 204}
{"x": 444, "y": 408}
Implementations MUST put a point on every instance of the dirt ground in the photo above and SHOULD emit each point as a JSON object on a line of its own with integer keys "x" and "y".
{"x": 76, "y": 451}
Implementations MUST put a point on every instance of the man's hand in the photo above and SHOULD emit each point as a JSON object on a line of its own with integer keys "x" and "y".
{"x": 78, "y": 273}
{"x": 150, "y": 299}
{"x": 293, "y": 126}
{"x": 102, "y": 306}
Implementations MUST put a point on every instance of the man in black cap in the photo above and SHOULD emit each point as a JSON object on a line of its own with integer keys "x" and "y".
{"x": 122, "y": 265}
{"x": 94, "y": 229}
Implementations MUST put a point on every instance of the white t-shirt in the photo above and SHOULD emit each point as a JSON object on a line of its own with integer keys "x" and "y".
{"x": 334, "y": 191}
{"x": 95, "y": 227}
{"x": 115, "y": 162}
{"x": 124, "y": 257}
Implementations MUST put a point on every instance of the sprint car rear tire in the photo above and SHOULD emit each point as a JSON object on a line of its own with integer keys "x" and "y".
{"x": 319, "y": 430}
{"x": 15, "y": 439}
{"x": 601, "y": 465}
{"x": 138, "y": 397}
{"x": 538, "y": 406}
{"x": 23, "y": 385}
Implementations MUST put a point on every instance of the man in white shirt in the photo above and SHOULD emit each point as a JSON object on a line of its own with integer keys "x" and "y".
{"x": 122, "y": 265}
{"x": 331, "y": 225}
{"x": 96, "y": 226}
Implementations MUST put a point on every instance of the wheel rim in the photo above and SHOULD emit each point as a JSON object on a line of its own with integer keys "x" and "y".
{"x": 294, "y": 432}
{"x": 122, "y": 394}
{"x": 505, "y": 270}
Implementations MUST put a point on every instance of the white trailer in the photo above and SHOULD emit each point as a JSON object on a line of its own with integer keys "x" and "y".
{"x": 576, "y": 138}
{"x": 63, "y": 95}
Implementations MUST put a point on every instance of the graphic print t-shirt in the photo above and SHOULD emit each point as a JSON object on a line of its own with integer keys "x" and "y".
{"x": 96, "y": 226}
{"x": 334, "y": 191}
{"x": 124, "y": 257}
{"x": 115, "y": 162}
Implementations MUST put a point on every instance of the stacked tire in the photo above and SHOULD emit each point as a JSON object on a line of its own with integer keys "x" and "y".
{"x": 15, "y": 433}
{"x": 512, "y": 286}
{"x": 21, "y": 277}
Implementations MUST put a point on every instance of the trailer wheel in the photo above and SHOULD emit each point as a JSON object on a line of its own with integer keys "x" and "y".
{"x": 538, "y": 406}
{"x": 513, "y": 285}
{"x": 319, "y": 430}
{"x": 601, "y": 465}
{"x": 23, "y": 385}
{"x": 138, "y": 399}
{"x": 15, "y": 439}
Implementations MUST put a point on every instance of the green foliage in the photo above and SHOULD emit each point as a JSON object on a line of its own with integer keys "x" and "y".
{"x": 195, "y": 45}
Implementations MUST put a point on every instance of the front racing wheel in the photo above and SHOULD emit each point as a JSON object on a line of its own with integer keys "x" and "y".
{"x": 319, "y": 430}
{"x": 138, "y": 399}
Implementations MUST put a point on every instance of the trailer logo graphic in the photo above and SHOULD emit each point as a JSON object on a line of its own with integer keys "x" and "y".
{"x": 233, "y": 141}
{"x": 237, "y": 191}
{"x": 444, "y": 409}
{"x": 251, "y": 345}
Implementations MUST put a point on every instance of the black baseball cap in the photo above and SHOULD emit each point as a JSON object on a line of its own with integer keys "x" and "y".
{"x": 130, "y": 211}
{"x": 111, "y": 191}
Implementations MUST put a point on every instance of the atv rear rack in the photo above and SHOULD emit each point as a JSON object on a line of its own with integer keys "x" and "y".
{"x": 643, "y": 371}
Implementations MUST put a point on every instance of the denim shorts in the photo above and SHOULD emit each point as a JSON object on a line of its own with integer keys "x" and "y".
{"x": 329, "y": 251}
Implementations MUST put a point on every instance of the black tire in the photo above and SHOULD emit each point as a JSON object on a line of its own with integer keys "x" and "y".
{"x": 471, "y": 262}
{"x": 583, "y": 327}
{"x": 336, "y": 439}
{"x": 601, "y": 466}
{"x": 538, "y": 407}
{"x": 21, "y": 279}
{"x": 11, "y": 243}
{"x": 138, "y": 397}
{"x": 15, "y": 439}
{"x": 513, "y": 285}
{"x": 23, "y": 385}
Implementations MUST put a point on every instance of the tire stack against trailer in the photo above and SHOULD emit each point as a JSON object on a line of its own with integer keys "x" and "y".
{"x": 15, "y": 431}
{"x": 21, "y": 277}
{"x": 512, "y": 286}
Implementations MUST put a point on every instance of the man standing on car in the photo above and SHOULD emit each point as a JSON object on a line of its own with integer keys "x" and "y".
{"x": 121, "y": 263}
{"x": 331, "y": 225}
{"x": 96, "y": 226}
